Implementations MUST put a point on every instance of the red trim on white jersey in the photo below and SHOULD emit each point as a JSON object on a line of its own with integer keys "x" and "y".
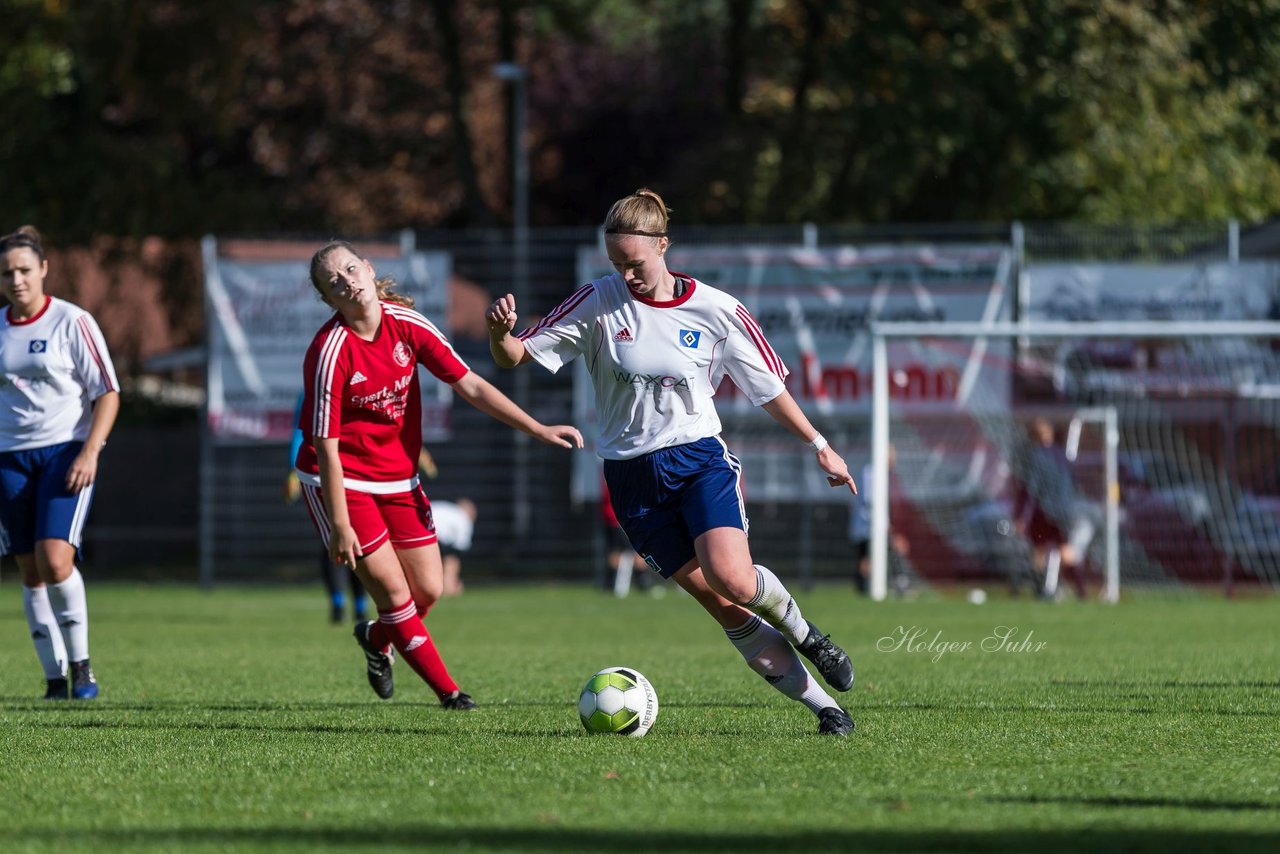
{"x": 86, "y": 331}
{"x": 762, "y": 344}
{"x": 48, "y": 301}
{"x": 559, "y": 311}
{"x": 670, "y": 303}
{"x": 655, "y": 368}
{"x": 52, "y": 367}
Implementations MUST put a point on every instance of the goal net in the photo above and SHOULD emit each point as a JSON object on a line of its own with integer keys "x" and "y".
{"x": 1093, "y": 457}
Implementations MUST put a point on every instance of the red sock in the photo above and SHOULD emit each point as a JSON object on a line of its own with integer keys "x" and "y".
{"x": 378, "y": 634}
{"x": 404, "y": 628}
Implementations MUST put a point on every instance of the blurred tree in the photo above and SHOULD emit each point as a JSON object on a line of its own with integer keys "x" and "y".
{"x": 141, "y": 117}
{"x": 1151, "y": 131}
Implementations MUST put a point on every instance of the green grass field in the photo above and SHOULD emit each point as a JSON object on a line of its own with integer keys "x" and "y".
{"x": 239, "y": 720}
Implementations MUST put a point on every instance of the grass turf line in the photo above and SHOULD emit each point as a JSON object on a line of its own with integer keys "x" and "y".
{"x": 240, "y": 720}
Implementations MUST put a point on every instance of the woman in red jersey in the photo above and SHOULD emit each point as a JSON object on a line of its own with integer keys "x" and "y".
{"x": 362, "y": 431}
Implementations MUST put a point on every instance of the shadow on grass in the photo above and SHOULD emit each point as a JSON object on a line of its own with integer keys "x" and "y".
{"x": 1158, "y": 803}
{"x": 544, "y": 838}
{"x": 375, "y": 728}
{"x": 1052, "y": 708}
{"x": 1172, "y": 683}
{"x": 63, "y": 708}
{"x": 856, "y": 706}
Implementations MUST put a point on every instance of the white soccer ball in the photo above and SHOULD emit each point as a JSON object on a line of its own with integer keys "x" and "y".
{"x": 977, "y": 596}
{"x": 618, "y": 700}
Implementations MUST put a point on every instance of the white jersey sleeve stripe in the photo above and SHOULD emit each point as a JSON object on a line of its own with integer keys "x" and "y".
{"x": 559, "y": 311}
{"x": 316, "y": 504}
{"x": 322, "y": 397}
{"x": 762, "y": 344}
{"x": 417, "y": 319}
{"x": 95, "y": 352}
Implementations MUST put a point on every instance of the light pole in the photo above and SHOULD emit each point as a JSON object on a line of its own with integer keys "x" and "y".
{"x": 518, "y": 77}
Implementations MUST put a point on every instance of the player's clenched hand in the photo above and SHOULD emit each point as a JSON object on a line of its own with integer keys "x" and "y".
{"x": 837, "y": 472}
{"x": 342, "y": 545}
{"x": 562, "y": 435}
{"x": 501, "y": 316}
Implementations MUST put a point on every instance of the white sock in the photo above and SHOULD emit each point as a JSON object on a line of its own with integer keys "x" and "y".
{"x": 72, "y": 613}
{"x": 768, "y": 653}
{"x": 774, "y": 603}
{"x": 44, "y": 631}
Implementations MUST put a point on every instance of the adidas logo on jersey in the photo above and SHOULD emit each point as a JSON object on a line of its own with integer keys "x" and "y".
{"x": 357, "y": 377}
{"x": 624, "y": 336}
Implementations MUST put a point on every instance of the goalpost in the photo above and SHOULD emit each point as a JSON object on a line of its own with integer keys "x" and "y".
{"x": 1170, "y": 432}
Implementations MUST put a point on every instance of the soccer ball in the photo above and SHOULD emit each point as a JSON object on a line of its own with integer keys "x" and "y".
{"x": 618, "y": 700}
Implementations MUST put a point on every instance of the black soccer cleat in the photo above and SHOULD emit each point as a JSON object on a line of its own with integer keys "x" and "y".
{"x": 458, "y": 701}
{"x": 379, "y": 662}
{"x": 56, "y": 689}
{"x": 83, "y": 685}
{"x": 832, "y": 661}
{"x": 834, "y": 721}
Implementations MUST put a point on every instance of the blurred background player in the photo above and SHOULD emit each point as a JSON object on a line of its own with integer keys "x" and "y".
{"x": 455, "y": 523}
{"x": 1050, "y": 514}
{"x": 58, "y": 402}
{"x": 622, "y": 561}
{"x": 860, "y": 533}
{"x": 657, "y": 345}
{"x": 331, "y": 574}
{"x": 362, "y": 437}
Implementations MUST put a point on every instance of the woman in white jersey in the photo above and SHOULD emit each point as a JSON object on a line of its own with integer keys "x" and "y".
{"x": 657, "y": 344}
{"x": 362, "y": 433}
{"x": 58, "y": 401}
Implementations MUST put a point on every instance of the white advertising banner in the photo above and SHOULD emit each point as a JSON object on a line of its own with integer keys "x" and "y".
{"x": 1194, "y": 292}
{"x": 1169, "y": 368}
{"x": 262, "y": 313}
{"x": 815, "y": 306}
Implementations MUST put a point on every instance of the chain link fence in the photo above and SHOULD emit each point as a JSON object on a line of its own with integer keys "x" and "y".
{"x": 529, "y": 526}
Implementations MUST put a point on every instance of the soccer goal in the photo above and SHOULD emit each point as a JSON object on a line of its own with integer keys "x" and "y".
{"x": 1092, "y": 456}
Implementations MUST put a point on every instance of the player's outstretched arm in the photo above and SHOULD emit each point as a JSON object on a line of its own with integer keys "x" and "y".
{"x": 481, "y": 394}
{"x": 508, "y": 350}
{"x": 787, "y": 412}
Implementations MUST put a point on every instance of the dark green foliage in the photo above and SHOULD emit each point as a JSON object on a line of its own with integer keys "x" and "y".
{"x": 353, "y": 116}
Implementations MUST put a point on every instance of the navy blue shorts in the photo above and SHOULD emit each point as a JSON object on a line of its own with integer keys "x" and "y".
{"x": 34, "y": 502}
{"x": 667, "y": 499}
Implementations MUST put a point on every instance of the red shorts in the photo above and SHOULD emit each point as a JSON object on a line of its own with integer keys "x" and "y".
{"x": 403, "y": 517}
{"x": 1042, "y": 530}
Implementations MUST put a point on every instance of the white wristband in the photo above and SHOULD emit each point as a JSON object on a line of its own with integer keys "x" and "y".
{"x": 819, "y": 442}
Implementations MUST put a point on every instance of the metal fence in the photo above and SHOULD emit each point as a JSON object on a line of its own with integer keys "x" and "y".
{"x": 528, "y": 527}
